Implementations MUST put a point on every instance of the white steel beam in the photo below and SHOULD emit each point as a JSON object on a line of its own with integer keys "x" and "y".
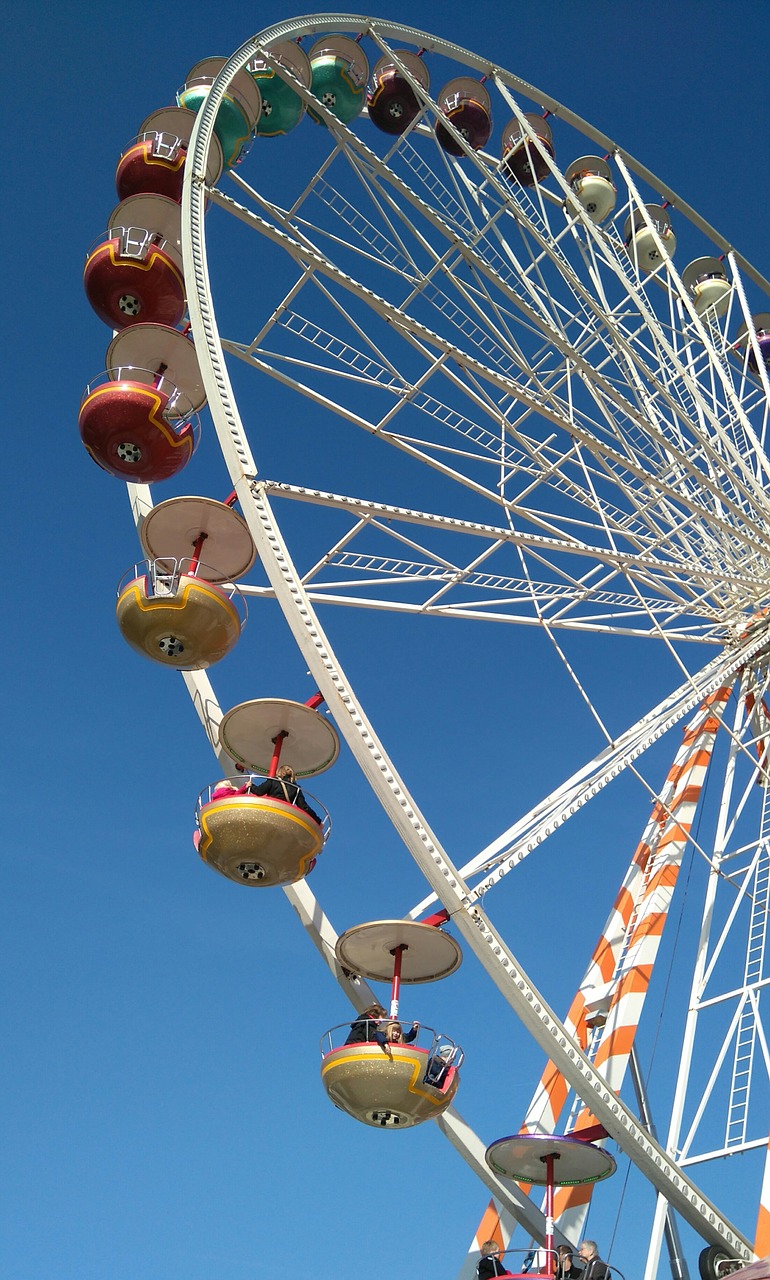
{"x": 444, "y": 879}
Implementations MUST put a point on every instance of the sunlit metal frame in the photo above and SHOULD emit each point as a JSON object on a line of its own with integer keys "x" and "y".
{"x": 299, "y": 593}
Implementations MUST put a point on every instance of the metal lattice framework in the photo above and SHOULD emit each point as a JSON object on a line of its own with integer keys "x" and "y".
{"x": 572, "y": 446}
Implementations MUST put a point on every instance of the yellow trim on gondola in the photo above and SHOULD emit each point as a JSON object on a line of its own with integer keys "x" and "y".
{"x": 158, "y": 421}
{"x": 419, "y": 1065}
{"x": 179, "y": 600}
{"x": 153, "y": 159}
{"x": 236, "y": 802}
{"x": 141, "y": 264}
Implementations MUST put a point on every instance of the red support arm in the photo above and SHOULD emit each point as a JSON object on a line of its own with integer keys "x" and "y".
{"x": 395, "y": 990}
{"x": 277, "y": 748}
{"x": 196, "y": 555}
{"x": 436, "y": 920}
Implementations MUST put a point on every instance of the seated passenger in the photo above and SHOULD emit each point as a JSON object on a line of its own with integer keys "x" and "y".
{"x": 364, "y": 1029}
{"x": 565, "y": 1268}
{"x": 438, "y": 1066}
{"x": 489, "y": 1263}
{"x": 284, "y": 787}
{"x": 593, "y": 1267}
{"x": 394, "y": 1033}
{"x": 227, "y": 788}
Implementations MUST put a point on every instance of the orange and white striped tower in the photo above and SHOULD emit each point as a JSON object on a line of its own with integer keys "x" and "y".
{"x": 605, "y": 1011}
{"x": 623, "y": 957}
{"x": 733, "y": 1069}
{"x": 659, "y": 858}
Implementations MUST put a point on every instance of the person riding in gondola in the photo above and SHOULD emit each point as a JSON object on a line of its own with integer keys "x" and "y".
{"x": 284, "y": 787}
{"x": 593, "y": 1267}
{"x": 489, "y": 1263}
{"x": 364, "y": 1029}
{"x": 393, "y": 1033}
{"x": 565, "y": 1264}
{"x": 439, "y": 1065}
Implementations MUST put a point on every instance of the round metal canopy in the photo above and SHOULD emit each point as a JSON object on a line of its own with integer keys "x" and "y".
{"x": 247, "y": 732}
{"x": 701, "y": 267}
{"x": 244, "y": 85}
{"x": 522, "y": 1157}
{"x": 146, "y": 348}
{"x": 172, "y": 528}
{"x": 178, "y": 122}
{"x": 367, "y": 949}
{"x": 761, "y": 325}
{"x": 587, "y": 164}
{"x": 151, "y": 213}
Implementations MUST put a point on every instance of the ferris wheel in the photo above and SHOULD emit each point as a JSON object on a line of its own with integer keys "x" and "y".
{"x": 538, "y": 383}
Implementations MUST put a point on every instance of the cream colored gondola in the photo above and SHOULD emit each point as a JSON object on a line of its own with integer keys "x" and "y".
{"x": 590, "y": 178}
{"x": 179, "y": 608}
{"x": 393, "y": 1086}
{"x": 706, "y": 281}
{"x": 267, "y": 840}
{"x": 649, "y": 248}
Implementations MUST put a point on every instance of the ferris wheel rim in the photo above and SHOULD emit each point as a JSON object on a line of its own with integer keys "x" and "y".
{"x": 243, "y": 464}
{"x": 313, "y": 24}
{"x": 721, "y": 616}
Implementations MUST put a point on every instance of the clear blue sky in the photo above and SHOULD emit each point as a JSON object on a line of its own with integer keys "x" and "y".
{"x": 164, "y": 1118}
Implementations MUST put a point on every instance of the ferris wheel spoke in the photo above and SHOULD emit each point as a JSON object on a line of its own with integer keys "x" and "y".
{"x": 530, "y": 831}
{"x": 663, "y": 353}
{"x": 666, "y": 599}
{"x": 696, "y": 483}
{"x": 605, "y": 389}
{"x": 734, "y": 404}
